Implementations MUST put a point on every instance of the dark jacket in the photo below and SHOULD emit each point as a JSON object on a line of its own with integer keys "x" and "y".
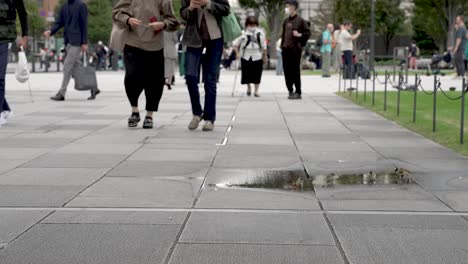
{"x": 192, "y": 37}
{"x": 8, "y": 9}
{"x": 73, "y": 17}
{"x": 288, "y": 41}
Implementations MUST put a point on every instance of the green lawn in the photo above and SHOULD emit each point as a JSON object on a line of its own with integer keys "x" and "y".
{"x": 448, "y": 115}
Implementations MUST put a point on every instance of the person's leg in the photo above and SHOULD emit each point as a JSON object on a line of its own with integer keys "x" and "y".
{"x": 279, "y": 63}
{"x": 133, "y": 81}
{"x": 214, "y": 51}
{"x": 192, "y": 69}
{"x": 71, "y": 60}
{"x": 287, "y": 66}
{"x": 297, "y": 71}
{"x": 326, "y": 63}
{"x": 153, "y": 79}
{"x": 459, "y": 60}
{"x": 348, "y": 58}
{"x": 3, "y": 65}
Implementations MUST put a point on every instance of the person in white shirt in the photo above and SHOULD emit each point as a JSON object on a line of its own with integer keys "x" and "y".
{"x": 251, "y": 48}
{"x": 346, "y": 41}
{"x": 337, "y": 61}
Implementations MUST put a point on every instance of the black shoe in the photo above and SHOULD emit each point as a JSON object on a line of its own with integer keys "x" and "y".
{"x": 290, "y": 94}
{"x": 58, "y": 97}
{"x": 295, "y": 96}
{"x": 133, "y": 120}
{"x": 148, "y": 123}
{"x": 326, "y": 76}
{"x": 94, "y": 94}
{"x": 249, "y": 93}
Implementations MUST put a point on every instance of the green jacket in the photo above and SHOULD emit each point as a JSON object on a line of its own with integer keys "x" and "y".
{"x": 8, "y": 10}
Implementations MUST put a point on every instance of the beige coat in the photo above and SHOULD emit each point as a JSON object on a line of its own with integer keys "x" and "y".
{"x": 143, "y": 36}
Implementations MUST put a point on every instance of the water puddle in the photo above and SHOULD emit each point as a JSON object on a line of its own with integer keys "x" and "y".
{"x": 299, "y": 181}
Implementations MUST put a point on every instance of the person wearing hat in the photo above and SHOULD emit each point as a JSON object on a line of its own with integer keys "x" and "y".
{"x": 296, "y": 32}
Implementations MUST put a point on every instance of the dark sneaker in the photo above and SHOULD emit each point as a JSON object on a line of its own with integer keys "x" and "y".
{"x": 195, "y": 122}
{"x": 290, "y": 94}
{"x": 208, "y": 126}
{"x": 94, "y": 94}
{"x": 58, "y": 97}
{"x": 326, "y": 76}
{"x": 148, "y": 123}
{"x": 133, "y": 120}
{"x": 295, "y": 96}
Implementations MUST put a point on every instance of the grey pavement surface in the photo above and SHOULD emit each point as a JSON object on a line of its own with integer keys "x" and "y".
{"x": 78, "y": 186}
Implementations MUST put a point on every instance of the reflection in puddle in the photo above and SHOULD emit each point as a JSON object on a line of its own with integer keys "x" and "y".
{"x": 299, "y": 181}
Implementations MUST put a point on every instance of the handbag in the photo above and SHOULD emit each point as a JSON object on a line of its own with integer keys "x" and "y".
{"x": 85, "y": 76}
{"x": 230, "y": 27}
{"x": 118, "y": 37}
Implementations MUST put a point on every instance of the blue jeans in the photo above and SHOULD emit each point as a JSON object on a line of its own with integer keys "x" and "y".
{"x": 210, "y": 63}
{"x": 3, "y": 66}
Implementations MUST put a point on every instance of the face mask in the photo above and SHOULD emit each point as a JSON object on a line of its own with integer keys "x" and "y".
{"x": 251, "y": 29}
{"x": 287, "y": 11}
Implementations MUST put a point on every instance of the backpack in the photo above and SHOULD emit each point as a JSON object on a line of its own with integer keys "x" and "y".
{"x": 259, "y": 42}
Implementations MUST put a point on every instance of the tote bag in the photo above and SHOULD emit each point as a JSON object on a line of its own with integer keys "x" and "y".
{"x": 85, "y": 76}
{"x": 230, "y": 27}
{"x": 22, "y": 70}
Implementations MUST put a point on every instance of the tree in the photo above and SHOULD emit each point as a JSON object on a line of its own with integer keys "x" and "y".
{"x": 326, "y": 14}
{"x": 273, "y": 11}
{"x": 437, "y": 17}
{"x": 99, "y": 20}
{"x": 389, "y": 20}
{"x": 35, "y": 21}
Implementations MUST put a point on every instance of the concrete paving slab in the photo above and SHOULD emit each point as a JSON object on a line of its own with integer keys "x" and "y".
{"x": 37, "y": 195}
{"x": 61, "y": 160}
{"x": 116, "y": 217}
{"x": 403, "y": 245}
{"x": 174, "y": 155}
{"x": 116, "y": 149}
{"x": 91, "y": 244}
{"x": 458, "y": 200}
{"x": 383, "y": 198}
{"x": 139, "y": 192}
{"x": 137, "y": 168}
{"x": 257, "y": 228}
{"x": 397, "y": 221}
{"x": 242, "y": 198}
{"x": 442, "y": 180}
{"x": 10, "y": 164}
{"x": 259, "y": 254}
{"x": 348, "y": 167}
{"x": 51, "y": 176}
{"x": 22, "y": 153}
{"x": 13, "y": 142}
{"x": 13, "y": 222}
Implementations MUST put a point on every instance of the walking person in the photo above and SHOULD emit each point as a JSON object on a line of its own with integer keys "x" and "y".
{"x": 458, "y": 50}
{"x": 295, "y": 35}
{"x": 251, "y": 47}
{"x": 466, "y": 53}
{"x": 203, "y": 36}
{"x": 73, "y": 17}
{"x": 101, "y": 54}
{"x": 347, "y": 47}
{"x": 8, "y": 11}
{"x": 413, "y": 55}
{"x": 336, "y": 53}
{"x": 326, "y": 50}
{"x": 143, "y": 52}
{"x": 170, "y": 57}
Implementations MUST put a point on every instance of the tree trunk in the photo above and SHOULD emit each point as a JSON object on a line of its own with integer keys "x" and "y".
{"x": 275, "y": 24}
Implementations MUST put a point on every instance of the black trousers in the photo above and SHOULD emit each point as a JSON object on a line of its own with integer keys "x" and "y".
{"x": 348, "y": 64}
{"x": 144, "y": 70}
{"x": 460, "y": 63}
{"x": 292, "y": 68}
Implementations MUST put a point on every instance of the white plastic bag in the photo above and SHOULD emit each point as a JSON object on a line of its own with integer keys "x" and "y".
{"x": 22, "y": 70}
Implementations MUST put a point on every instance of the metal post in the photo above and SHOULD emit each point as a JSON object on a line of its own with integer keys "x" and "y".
{"x": 398, "y": 101}
{"x": 385, "y": 92}
{"x": 357, "y": 85}
{"x": 406, "y": 79}
{"x": 394, "y": 65}
{"x": 416, "y": 82}
{"x": 373, "y": 89}
{"x": 434, "y": 107}
{"x": 365, "y": 89}
{"x": 372, "y": 37}
{"x": 339, "y": 81}
{"x": 462, "y": 121}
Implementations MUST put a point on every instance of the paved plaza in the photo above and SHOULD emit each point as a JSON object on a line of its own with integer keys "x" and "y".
{"x": 79, "y": 187}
